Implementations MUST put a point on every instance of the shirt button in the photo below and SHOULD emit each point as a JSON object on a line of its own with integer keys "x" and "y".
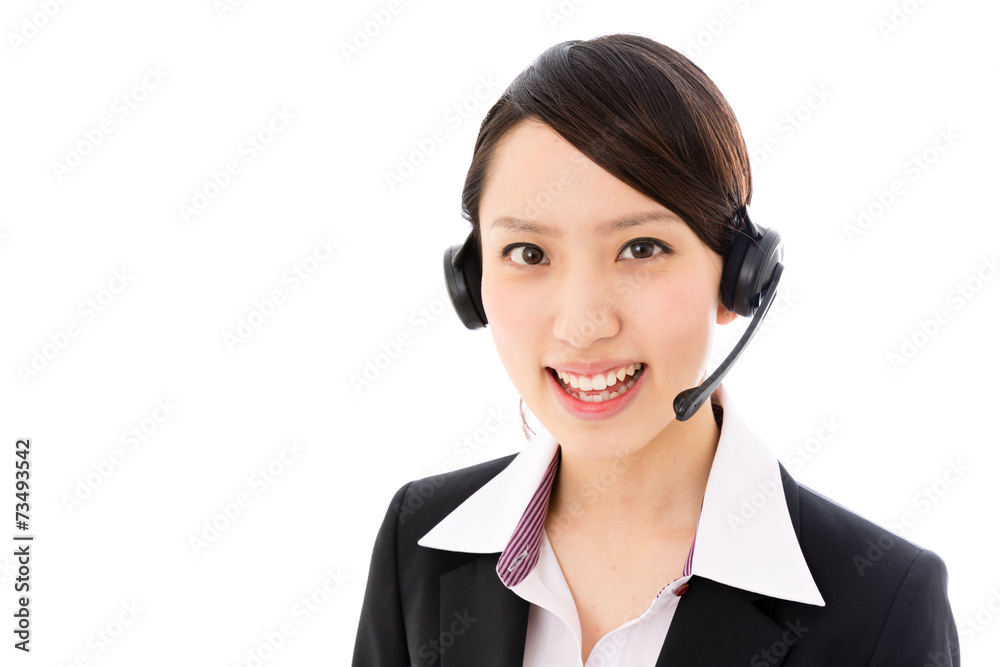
{"x": 682, "y": 589}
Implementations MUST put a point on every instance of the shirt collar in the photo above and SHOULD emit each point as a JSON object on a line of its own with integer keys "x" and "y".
{"x": 744, "y": 537}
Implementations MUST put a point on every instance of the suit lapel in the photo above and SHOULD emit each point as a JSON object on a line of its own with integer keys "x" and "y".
{"x": 482, "y": 621}
{"x": 717, "y": 625}
{"x": 791, "y": 488}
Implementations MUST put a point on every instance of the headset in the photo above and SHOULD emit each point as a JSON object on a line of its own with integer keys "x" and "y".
{"x": 750, "y": 276}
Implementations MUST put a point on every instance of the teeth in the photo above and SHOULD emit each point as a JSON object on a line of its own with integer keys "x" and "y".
{"x": 587, "y": 384}
{"x": 598, "y": 382}
{"x": 603, "y": 396}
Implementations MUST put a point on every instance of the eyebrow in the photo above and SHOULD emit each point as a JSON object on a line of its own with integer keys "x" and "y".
{"x": 625, "y": 222}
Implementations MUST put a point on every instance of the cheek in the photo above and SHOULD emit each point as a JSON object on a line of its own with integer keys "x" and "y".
{"x": 499, "y": 304}
{"x": 515, "y": 319}
{"x": 674, "y": 317}
{"x": 668, "y": 298}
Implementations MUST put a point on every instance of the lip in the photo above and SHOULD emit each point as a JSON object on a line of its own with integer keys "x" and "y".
{"x": 593, "y": 411}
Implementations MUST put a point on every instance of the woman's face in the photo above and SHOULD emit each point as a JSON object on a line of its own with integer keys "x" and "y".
{"x": 574, "y": 292}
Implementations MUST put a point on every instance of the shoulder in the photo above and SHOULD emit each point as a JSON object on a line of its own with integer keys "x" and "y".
{"x": 400, "y": 615}
{"x": 880, "y": 588}
{"x": 839, "y": 541}
{"x": 420, "y": 504}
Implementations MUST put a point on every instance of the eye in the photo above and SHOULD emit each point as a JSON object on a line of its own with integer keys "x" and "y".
{"x": 526, "y": 254}
{"x": 644, "y": 248}
{"x": 529, "y": 255}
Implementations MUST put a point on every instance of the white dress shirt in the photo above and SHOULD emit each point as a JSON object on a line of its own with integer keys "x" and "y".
{"x": 744, "y": 538}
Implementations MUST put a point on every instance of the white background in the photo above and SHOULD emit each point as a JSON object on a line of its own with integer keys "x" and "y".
{"x": 846, "y": 302}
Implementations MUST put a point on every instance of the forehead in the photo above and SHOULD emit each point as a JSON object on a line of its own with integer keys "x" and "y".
{"x": 531, "y": 152}
{"x": 540, "y": 183}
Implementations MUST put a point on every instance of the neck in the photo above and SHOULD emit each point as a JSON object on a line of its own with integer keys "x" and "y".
{"x": 655, "y": 492}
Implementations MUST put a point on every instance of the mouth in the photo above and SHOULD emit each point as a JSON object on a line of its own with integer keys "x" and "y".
{"x": 597, "y": 389}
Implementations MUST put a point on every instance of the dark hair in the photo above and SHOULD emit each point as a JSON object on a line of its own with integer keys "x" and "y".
{"x": 642, "y": 111}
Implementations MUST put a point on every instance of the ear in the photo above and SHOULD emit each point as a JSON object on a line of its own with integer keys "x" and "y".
{"x": 724, "y": 315}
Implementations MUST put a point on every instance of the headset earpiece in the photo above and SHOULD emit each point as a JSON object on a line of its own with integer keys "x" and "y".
{"x": 464, "y": 276}
{"x": 749, "y": 266}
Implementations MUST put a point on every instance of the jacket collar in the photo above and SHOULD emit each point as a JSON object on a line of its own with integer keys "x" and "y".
{"x": 745, "y": 537}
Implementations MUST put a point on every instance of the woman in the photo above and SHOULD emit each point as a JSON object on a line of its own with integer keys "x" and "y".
{"x": 607, "y": 190}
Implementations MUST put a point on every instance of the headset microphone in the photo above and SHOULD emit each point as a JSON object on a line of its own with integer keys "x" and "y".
{"x": 688, "y": 401}
{"x": 750, "y": 277}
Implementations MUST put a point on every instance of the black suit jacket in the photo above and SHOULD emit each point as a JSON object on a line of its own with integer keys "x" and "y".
{"x": 886, "y": 598}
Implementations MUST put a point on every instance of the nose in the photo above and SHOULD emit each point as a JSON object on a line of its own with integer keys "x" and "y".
{"x": 586, "y": 309}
